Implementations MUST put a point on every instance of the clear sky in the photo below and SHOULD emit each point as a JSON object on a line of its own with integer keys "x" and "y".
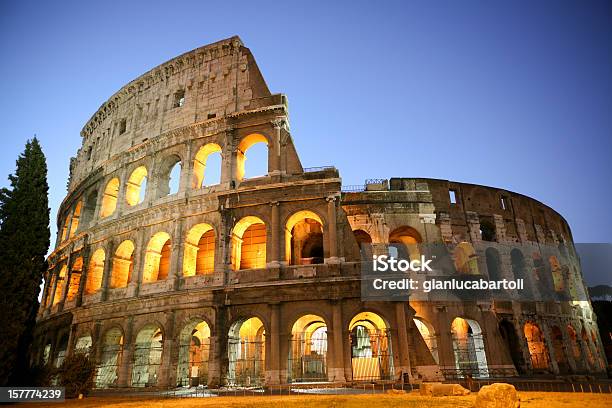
{"x": 514, "y": 94}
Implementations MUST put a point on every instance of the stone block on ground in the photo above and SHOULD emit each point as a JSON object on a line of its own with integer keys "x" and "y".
{"x": 498, "y": 395}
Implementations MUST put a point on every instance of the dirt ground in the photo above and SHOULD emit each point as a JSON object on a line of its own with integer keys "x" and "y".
{"x": 528, "y": 399}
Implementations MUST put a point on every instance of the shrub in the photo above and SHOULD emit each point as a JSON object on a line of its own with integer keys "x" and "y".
{"x": 77, "y": 374}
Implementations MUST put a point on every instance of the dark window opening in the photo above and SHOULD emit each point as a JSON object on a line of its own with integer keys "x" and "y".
{"x": 487, "y": 231}
{"x": 122, "y": 126}
{"x": 179, "y": 99}
{"x": 212, "y": 115}
{"x": 504, "y": 203}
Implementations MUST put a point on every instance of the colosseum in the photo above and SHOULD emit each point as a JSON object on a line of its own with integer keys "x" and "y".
{"x": 168, "y": 279}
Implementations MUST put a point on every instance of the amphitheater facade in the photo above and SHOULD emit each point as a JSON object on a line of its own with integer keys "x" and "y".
{"x": 170, "y": 280}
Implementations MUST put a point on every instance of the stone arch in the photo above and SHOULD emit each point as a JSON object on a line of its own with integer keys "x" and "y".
{"x": 123, "y": 265}
{"x": 587, "y": 347}
{"x": 487, "y": 230}
{"x": 429, "y": 336}
{"x": 75, "y": 279}
{"x": 95, "y": 272}
{"x": 538, "y": 351}
{"x": 246, "y": 352}
{"x": 304, "y": 238}
{"x": 573, "y": 337}
{"x": 83, "y": 343}
{"x": 61, "y": 349}
{"x": 194, "y": 350}
{"x": 557, "y": 274}
{"x": 109, "y": 198}
{"x": 510, "y": 337}
{"x": 169, "y": 175}
{"x": 111, "y": 354}
{"x": 199, "y": 251}
{"x": 308, "y": 349}
{"x": 199, "y": 163}
{"x": 59, "y": 284}
{"x": 136, "y": 186}
{"x": 249, "y": 244}
{"x": 76, "y": 216}
{"x": 406, "y": 240}
{"x": 371, "y": 349}
{"x": 148, "y": 349}
{"x": 493, "y": 262}
{"x": 66, "y": 227}
{"x": 466, "y": 260}
{"x": 157, "y": 258}
{"x": 241, "y": 154}
{"x": 559, "y": 349}
{"x": 89, "y": 209}
{"x": 469, "y": 348}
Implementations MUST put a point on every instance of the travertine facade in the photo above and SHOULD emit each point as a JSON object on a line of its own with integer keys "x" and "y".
{"x": 256, "y": 281}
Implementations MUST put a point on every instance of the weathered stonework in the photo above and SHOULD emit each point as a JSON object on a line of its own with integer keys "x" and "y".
{"x": 99, "y": 296}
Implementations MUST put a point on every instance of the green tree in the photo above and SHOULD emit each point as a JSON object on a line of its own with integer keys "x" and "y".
{"x": 24, "y": 242}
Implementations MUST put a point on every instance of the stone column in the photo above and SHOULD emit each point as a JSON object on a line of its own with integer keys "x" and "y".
{"x": 274, "y": 155}
{"x": 229, "y": 163}
{"x": 108, "y": 261}
{"x": 54, "y": 278}
{"x": 166, "y": 366}
{"x": 123, "y": 375}
{"x": 331, "y": 230}
{"x": 402, "y": 336}
{"x": 273, "y": 370}
{"x": 176, "y": 256}
{"x": 139, "y": 256}
{"x": 66, "y": 279}
{"x": 84, "y": 269}
{"x": 335, "y": 370}
{"x": 217, "y": 356}
{"x": 275, "y": 236}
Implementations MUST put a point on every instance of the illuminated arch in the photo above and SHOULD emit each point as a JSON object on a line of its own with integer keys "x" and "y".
{"x": 75, "y": 279}
{"x": 59, "y": 286}
{"x": 136, "y": 186}
{"x": 83, "y": 344}
{"x": 109, "y": 198}
{"x": 538, "y": 351}
{"x": 66, "y": 227}
{"x": 246, "y": 350}
{"x": 168, "y": 175}
{"x": 76, "y": 216}
{"x": 199, "y": 253}
{"x": 371, "y": 351}
{"x": 147, "y": 356}
{"x": 308, "y": 349}
{"x": 576, "y": 352}
{"x": 194, "y": 349}
{"x": 245, "y": 144}
{"x": 409, "y": 240}
{"x": 429, "y": 335}
{"x": 123, "y": 265}
{"x": 199, "y": 163}
{"x": 559, "y": 349}
{"x": 95, "y": 272}
{"x": 466, "y": 260}
{"x": 468, "y": 347}
{"x": 110, "y": 358}
{"x": 157, "y": 258}
{"x": 249, "y": 244}
{"x": 304, "y": 238}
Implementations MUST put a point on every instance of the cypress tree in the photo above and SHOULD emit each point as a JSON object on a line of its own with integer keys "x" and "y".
{"x": 24, "y": 242}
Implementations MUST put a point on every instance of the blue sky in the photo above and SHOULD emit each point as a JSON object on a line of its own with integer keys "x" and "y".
{"x": 510, "y": 94}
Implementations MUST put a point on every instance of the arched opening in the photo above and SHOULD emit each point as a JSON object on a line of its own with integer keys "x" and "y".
{"x": 304, "y": 238}
{"x": 406, "y": 240}
{"x": 75, "y": 279}
{"x": 46, "y": 356}
{"x": 110, "y": 358}
{"x": 194, "y": 348}
{"x": 123, "y": 265}
{"x": 587, "y": 348}
{"x": 519, "y": 270}
{"x": 371, "y": 352}
{"x": 557, "y": 274}
{"x": 538, "y": 351}
{"x": 60, "y": 353}
{"x": 95, "y": 272}
{"x": 147, "y": 356}
{"x": 466, "y": 260}
{"x": 493, "y": 264}
{"x": 202, "y": 167}
{"x": 469, "y": 349}
{"x": 157, "y": 258}
{"x": 508, "y": 334}
{"x": 90, "y": 208}
{"x": 308, "y": 350}
{"x": 136, "y": 186}
{"x": 362, "y": 237}
{"x": 249, "y": 244}
{"x": 66, "y": 227}
{"x": 257, "y": 145}
{"x": 169, "y": 176}
{"x": 559, "y": 349}
{"x": 83, "y": 344}
{"x": 246, "y": 353}
{"x": 487, "y": 230}
{"x": 109, "y": 199}
{"x": 429, "y": 335}
{"x": 199, "y": 252}
{"x": 76, "y": 216}
{"x": 59, "y": 285}
{"x": 574, "y": 343}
